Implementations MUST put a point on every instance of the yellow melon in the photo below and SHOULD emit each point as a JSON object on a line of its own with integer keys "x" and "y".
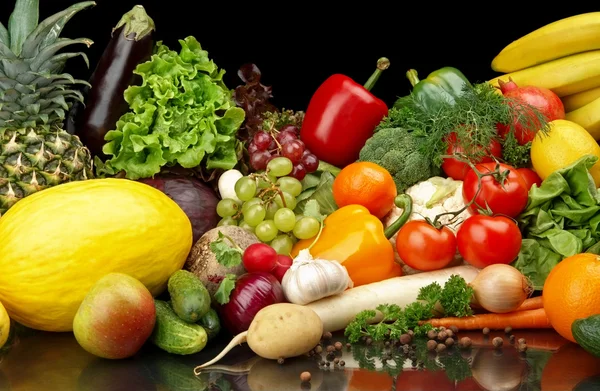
{"x": 55, "y": 244}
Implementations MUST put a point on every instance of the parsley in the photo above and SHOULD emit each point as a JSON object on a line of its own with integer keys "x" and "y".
{"x": 454, "y": 299}
{"x": 226, "y": 255}
{"x": 514, "y": 154}
{"x": 224, "y": 290}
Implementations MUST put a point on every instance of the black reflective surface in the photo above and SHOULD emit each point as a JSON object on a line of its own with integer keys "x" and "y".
{"x": 42, "y": 361}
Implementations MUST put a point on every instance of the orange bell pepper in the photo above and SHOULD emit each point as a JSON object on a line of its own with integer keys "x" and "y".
{"x": 357, "y": 239}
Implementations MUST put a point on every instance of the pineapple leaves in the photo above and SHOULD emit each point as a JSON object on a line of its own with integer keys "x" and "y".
{"x": 50, "y": 29}
{"x": 51, "y": 50}
{"x": 22, "y": 22}
{"x": 4, "y": 38}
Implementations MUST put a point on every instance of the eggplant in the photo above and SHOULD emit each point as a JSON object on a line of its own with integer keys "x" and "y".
{"x": 131, "y": 44}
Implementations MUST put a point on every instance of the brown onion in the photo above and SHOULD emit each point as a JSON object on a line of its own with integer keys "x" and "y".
{"x": 500, "y": 288}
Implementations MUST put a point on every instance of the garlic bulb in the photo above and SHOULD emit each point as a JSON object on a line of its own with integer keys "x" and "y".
{"x": 310, "y": 279}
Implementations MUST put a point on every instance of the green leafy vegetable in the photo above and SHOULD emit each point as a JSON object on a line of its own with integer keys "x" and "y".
{"x": 224, "y": 290}
{"x": 226, "y": 255}
{"x": 562, "y": 219}
{"x": 454, "y": 298}
{"x": 181, "y": 114}
{"x": 514, "y": 154}
{"x": 317, "y": 187}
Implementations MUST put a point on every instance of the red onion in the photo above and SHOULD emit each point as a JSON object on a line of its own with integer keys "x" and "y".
{"x": 198, "y": 201}
{"x": 252, "y": 293}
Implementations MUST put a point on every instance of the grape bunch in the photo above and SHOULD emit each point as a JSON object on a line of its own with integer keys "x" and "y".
{"x": 267, "y": 146}
{"x": 267, "y": 208}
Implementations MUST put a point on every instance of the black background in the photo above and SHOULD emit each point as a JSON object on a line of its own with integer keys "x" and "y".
{"x": 297, "y": 45}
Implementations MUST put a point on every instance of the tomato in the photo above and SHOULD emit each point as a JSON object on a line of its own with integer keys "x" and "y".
{"x": 457, "y": 169}
{"x": 486, "y": 240}
{"x": 424, "y": 247}
{"x": 507, "y": 197}
{"x": 530, "y": 177}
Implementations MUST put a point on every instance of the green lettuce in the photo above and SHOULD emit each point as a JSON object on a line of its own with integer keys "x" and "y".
{"x": 562, "y": 218}
{"x": 182, "y": 113}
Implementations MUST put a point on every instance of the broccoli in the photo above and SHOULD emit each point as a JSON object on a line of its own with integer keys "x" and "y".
{"x": 397, "y": 150}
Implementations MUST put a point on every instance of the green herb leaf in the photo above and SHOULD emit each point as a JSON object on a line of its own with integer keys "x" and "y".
{"x": 313, "y": 209}
{"x": 224, "y": 290}
{"x": 456, "y": 297}
{"x": 430, "y": 293}
{"x": 514, "y": 154}
{"x": 226, "y": 255}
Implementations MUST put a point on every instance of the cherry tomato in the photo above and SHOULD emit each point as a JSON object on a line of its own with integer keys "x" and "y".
{"x": 424, "y": 247}
{"x": 259, "y": 257}
{"x": 530, "y": 177}
{"x": 457, "y": 169}
{"x": 507, "y": 197}
{"x": 487, "y": 240}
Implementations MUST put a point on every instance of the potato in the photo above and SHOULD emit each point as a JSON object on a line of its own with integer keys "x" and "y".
{"x": 268, "y": 375}
{"x": 278, "y": 331}
{"x": 284, "y": 330}
{"x": 202, "y": 261}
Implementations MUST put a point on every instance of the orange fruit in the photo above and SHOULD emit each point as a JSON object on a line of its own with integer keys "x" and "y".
{"x": 367, "y": 184}
{"x": 572, "y": 291}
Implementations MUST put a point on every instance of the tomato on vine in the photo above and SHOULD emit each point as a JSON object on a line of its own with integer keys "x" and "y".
{"x": 424, "y": 247}
{"x": 530, "y": 177}
{"x": 455, "y": 168}
{"x": 486, "y": 240}
{"x": 501, "y": 189}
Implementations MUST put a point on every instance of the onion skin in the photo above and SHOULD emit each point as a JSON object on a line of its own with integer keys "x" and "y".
{"x": 500, "y": 288}
{"x": 252, "y": 293}
{"x": 198, "y": 201}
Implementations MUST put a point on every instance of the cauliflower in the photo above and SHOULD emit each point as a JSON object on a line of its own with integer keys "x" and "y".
{"x": 432, "y": 197}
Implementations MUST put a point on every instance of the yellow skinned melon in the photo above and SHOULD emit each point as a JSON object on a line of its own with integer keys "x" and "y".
{"x": 55, "y": 245}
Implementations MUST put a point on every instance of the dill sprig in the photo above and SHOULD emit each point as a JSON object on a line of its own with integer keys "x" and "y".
{"x": 473, "y": 116}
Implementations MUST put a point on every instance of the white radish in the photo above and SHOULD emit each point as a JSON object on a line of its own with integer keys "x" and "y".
{"x": 226, "y": 184}
{"x": 338, "y": 311}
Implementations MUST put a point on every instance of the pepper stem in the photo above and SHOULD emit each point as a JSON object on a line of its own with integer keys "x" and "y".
{"x": 413, "y": 77}
{"x": 404, "y": 202}
{"x": 382, "y": 64}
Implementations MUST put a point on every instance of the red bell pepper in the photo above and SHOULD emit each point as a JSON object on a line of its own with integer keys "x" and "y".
{"x": 342, "y": 116}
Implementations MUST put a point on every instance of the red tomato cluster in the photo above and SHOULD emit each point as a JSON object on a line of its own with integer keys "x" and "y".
{"x": 488, "y": 237}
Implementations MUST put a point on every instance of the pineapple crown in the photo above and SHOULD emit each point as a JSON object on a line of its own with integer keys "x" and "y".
{"x": 33, "y": 91}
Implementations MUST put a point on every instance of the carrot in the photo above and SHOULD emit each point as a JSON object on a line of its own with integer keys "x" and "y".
{"x": 539, "y": 339}
{"x": 530, "y": 319}
{"x": 532, "y": 303}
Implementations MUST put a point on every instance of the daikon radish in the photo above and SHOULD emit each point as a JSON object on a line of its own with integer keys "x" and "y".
{"x": 338, "y": 311}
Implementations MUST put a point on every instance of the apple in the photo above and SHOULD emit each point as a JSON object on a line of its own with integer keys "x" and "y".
{"x": 116, "y": 317}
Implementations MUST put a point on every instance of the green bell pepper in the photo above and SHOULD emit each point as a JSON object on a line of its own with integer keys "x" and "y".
{"x": 445, "y": 84}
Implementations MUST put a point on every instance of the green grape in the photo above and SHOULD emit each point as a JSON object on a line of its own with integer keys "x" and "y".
{"x": 290, "y": 200}
{"x": 282, "y": 244}
{"x": 290, "y": 185}
{"x": 272, "y": 207}
{"x": 245, "y": 188}
{"x": 227, "y": 207}
{"x": 266, "y": 183}
{"x": 246, "y": 226}
{"x": 248, "y": 204}
{"x": 227, "y": 221}
{"x": 285, "y": 219}
{"x": 266, "y": 231}
{"x": 254, "y": 215}
{"x": 306, "y": 228}
{"x": 280, "y": 166}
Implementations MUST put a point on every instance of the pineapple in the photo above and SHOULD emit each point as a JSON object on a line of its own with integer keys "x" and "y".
{"x": 35, "y": 97}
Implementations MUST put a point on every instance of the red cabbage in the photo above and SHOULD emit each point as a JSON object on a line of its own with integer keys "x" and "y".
{"x": 198, "y": 201}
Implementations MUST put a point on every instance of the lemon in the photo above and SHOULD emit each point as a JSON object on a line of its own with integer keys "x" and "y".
{"x": 565, "y": 143}
{"x": 4, "y": 325}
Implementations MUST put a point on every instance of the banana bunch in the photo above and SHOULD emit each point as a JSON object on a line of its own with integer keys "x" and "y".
{"x": 563, "y": 56}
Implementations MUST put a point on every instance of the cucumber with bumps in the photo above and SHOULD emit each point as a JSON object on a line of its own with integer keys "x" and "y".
{"x": 174, "y": 335}
{"x": 189, "y": 297}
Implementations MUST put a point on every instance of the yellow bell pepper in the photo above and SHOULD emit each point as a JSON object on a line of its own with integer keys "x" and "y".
{"x": 357, "y": 239}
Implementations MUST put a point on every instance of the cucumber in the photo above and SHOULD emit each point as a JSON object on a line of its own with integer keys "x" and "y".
{"x": 587, "y": 333}
{"x": 178, "y": 376}
{"x": 211, "y": 323}
{"x": 174, "y": 335}
{"x": 189, "y": 297}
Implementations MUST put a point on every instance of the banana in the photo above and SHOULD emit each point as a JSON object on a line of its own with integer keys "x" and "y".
{"x": 565, "y": 76}
{"x": 576, "y": 34}
{"x": 588, "y": 117}
{"x": 576, "y": 101}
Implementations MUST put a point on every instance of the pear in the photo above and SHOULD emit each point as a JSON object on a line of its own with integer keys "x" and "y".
{"x": 116, "y": 317}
